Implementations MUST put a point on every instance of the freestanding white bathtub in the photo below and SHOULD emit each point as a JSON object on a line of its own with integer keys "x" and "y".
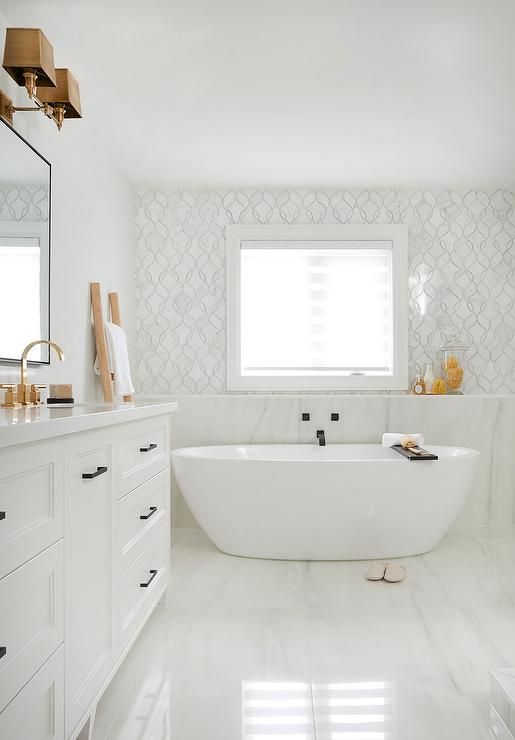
{"x": 340, "y": 502}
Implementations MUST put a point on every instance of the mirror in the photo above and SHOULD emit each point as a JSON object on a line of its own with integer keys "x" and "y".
{"x": 25, "y": 178}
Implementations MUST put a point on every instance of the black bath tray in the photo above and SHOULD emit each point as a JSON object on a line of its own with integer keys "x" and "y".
{"x": 411, "y": 456}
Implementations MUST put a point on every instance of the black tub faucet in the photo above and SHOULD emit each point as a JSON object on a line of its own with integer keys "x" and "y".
{"x": 321, "y": 437}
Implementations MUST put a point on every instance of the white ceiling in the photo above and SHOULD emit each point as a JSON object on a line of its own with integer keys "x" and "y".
{"x": 293, "y": 92}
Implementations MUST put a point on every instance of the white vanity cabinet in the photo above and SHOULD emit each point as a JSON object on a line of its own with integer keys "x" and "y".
{"x": 84, "y": 560}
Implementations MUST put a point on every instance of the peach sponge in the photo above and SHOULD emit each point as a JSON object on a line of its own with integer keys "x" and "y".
{"x": 439, "y": 387}
{"x": 454, "y": 377}
{"x": 451, "y": 362}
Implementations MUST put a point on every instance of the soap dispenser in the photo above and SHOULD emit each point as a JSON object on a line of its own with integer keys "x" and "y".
{"x": 429, "y": 378}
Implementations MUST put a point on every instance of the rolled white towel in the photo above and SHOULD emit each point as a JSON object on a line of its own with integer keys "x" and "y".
{"x": 391, "y": 438}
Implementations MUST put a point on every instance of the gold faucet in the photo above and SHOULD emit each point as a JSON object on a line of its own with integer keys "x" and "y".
{"x": 24, "y": 394}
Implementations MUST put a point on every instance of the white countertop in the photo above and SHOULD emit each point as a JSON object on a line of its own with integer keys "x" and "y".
{"x": 29, "y": 424}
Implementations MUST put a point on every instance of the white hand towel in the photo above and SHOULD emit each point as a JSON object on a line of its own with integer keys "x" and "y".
{"x": 118, "y": 359}
{"x": 392, "y": 438}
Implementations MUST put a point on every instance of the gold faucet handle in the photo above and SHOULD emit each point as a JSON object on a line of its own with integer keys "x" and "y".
{"x": 34, "y": 397}
{"x": 11, "y": 399}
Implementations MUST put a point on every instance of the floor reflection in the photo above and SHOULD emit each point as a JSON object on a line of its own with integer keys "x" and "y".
{"x": 277, "y": 709}
{"x": 148, "y": 717}
{"x": 273, "y": 710}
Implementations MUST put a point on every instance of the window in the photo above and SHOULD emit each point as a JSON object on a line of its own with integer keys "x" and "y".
{"x": 317, "y": 307}
{"x": 23, "y": 252}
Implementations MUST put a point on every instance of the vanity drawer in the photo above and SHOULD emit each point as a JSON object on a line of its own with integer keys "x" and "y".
{"x": 31, "y": 619}
{"x": 31, "y": 501}
{"x": 134, "y": 600}
{"x": 143, "y": 450}
{"x": 37, "y": 712}
{"x": 141, "y": 515}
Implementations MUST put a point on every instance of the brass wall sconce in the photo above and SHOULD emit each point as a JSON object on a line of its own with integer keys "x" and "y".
{"x": 29, "y": 60}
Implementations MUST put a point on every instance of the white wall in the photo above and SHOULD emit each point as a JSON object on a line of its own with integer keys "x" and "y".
{"x": 92, "y": 217}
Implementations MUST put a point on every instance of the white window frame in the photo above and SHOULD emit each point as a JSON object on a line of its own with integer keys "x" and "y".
{"x": 395, "y": 233}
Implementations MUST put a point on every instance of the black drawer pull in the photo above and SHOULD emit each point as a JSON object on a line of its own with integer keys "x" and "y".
{"x": 154, "y": 574}
{"x": 153, "y": 510}
{"x": 3, "y": 651}
{"x": 2, "y": 514}
{"x": 151, "y": 446}
{"x": 99, "y": 471}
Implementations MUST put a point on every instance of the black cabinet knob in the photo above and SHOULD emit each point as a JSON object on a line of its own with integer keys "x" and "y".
{"x": 3, "y": 651}
{"x": 2, "y": 515}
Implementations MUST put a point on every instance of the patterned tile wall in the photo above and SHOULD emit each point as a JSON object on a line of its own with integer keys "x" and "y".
{"x": 461, "y": 275}
{"x": 23, "y": 203}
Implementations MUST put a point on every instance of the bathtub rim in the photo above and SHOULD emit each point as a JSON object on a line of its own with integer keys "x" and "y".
{"x": 194, "y": 452}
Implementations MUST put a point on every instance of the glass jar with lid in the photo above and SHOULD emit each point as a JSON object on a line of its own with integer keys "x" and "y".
{"x": 453, "y": 352}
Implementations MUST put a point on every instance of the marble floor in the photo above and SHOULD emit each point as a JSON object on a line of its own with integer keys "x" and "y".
{"x": 269, "y": 650}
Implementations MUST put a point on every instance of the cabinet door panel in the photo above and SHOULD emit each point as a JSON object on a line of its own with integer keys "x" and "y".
{"x": 31, "y": 501}
{"x": 89, "y": 639}
{"x": 37, "y": 712}
{"x": 31, "y": 619}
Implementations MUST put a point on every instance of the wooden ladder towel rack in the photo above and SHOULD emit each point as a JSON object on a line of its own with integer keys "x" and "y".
{"x": 106, "y": 376}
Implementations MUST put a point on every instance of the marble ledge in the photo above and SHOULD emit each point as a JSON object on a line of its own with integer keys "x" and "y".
{"x": 306, "y": 395}
{"x": 29, "y": 424}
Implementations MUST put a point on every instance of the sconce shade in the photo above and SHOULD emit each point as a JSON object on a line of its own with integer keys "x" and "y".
{"x": 66, "y": 93}
{"x": 29, "y": 50}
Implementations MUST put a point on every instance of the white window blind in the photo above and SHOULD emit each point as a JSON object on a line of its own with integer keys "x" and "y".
{"x": 316, "y": 308}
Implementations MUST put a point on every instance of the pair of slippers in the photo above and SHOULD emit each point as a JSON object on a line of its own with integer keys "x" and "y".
{"x": 386, "y": 572}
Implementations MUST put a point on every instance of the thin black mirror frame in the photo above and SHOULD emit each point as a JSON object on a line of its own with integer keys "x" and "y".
{"x": 16, "y": 360}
